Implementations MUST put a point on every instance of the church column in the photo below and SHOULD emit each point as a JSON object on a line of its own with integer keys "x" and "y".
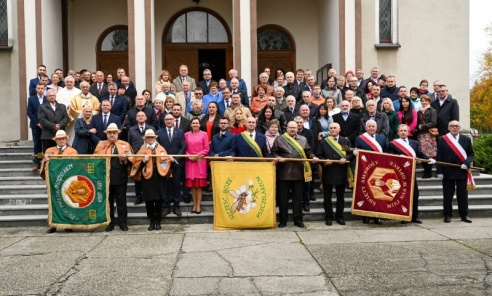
{"x": 141, "y": 52}
{"x": 244, "y": 40}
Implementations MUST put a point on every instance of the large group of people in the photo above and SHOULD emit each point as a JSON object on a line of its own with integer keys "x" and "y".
{"x": 290, "y": 116}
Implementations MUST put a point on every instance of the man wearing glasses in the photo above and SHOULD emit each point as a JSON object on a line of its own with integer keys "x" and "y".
{"x": 447, "y": 109}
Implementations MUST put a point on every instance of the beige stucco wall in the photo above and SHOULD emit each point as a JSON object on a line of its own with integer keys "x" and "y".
{"x": 52, "y": 30}
{"x": 301, "y": 20}
{"x": 328, "y": 33}
{"x": 9, "y": 87}
{"x": 87, "y": 20}
{"x": 429, "y": 49}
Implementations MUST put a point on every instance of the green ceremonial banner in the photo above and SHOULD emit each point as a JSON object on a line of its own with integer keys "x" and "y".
{"x": 78, "y": 190}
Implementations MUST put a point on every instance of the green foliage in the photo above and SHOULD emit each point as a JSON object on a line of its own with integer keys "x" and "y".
{"x": 483, "y": 150}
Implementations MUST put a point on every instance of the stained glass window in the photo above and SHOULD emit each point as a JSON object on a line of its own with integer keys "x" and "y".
{"x": 4, "y": 25}
{"x": 197, "y": 27}
{"x": 115, "y": 41}
{"x": 385, "y": 25}
{"x": 271, "y": 39}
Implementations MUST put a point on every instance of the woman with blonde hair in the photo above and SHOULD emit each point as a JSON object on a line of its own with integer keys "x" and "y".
{"x": 82, "y": 140}
{"x": 238, "y": 123}
{"x": 388, "y": 108}
{"x": 165, "y": 76}
{"x": 356, "y": 106}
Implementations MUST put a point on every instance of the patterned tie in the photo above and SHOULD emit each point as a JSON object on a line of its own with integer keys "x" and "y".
{"x": 112, "y": 100}
{"x": 99, "y": 88}
{"x": 105, "y": 121}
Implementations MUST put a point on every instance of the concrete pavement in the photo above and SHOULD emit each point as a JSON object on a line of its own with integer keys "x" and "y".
{"x": 433, "y": 258}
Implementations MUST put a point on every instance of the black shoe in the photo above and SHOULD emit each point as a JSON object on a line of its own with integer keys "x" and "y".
{"x": 299, "y": 224}
{"x": 341, "y": 221}
{"x": 51, "y": 230}
{"x": 306, "y": 208}
{"x": 68, "y": 230}
{"x": 313, "y": 198}
{"x": 378, "y": 221}
{"x": 466, "y": 219}
{"x": 186, "y": 199}
{"x": 447, "y": 219}
{"x": 417, "y": 220}
{"x": 109, "y": 228}
{"x": 404, "y": 222}
{"x": 151, "y": 226}
{"x": 138, "y": 201}
{"x": 328, "y": 223}
{"x": 158, "y": 225}
{"x": 124, "y": 228}
{"x": 282, "y": 225}
{"x": 365, "y": 220}
{"x": 427, "y": 176}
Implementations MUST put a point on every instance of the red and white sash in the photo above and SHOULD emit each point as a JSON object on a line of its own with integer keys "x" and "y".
{"x": 404, "y": 147}
{"x": 369, "y": 140}
{"x": 461, "y": 153}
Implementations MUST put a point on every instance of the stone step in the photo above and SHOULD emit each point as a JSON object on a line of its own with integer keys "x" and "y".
{"x": 17, "y": 172}
{"x": 16, "y": 156}
{"x": 206, "y": 217}
{"x": 16, "y": 149}
{"x": 18, "y": 164}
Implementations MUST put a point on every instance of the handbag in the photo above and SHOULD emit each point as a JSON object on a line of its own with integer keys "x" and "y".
{"x": 433, "y": 131}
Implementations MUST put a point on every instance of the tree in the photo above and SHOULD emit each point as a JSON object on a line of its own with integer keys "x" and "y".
{"x": 481, "y": 93}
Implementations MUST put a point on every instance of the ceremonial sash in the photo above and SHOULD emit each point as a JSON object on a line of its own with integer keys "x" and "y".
{"x": 308, "y": 175}
{"x": 461, "y": 153}
{"x": 338, "y": 149}
{"x": 371, "y": 142}
{"x": 252, "y": 143}
{"x": 163, "y": 164}
{"x": 404, "y": 147}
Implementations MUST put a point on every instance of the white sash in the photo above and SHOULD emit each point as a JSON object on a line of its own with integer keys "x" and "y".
{"x": 457, "y": 145}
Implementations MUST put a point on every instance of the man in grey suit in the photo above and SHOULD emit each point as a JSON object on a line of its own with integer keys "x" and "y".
{"x": 53, "y": 117}
{"x": 183, "y": 76}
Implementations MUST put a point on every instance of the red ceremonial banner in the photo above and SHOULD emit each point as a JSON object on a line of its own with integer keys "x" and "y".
{"x": 383, "y": 186}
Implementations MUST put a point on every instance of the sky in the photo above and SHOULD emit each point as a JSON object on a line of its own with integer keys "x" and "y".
{"x": 480, "y": 17}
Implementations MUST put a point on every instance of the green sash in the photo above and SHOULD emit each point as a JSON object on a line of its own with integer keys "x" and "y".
{"x": 338, "y": 149}
{"x": 308, "y": 175}
{"x": 252, "y": 143}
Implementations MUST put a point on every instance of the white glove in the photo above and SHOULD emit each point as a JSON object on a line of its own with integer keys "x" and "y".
{"x": 431, "y": 161}
{"x": 440, "y": 176}
{"x": 355, "y": 152}
{"x": 464, "y": 167}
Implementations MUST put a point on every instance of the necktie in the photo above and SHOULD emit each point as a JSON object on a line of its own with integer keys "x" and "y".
{"x": 176, "y": 123}
{"x": 60, "y": 150}
{"x": 187, "y": 96}
{"x": 105, "y": 121}
{"x": 336, "y": 139}
{"x": 141, "y": 130}
{"x": 169, "y": 134}
{"x": 227, "y": 104}
{"x": 251, "y": 135}
{"x": 112, "y": 100}
{"x": 99, "y": 88}
{"x": 158, "y": 115}
{"x": 221, "y": 136}
{"x": 291, "y": 110}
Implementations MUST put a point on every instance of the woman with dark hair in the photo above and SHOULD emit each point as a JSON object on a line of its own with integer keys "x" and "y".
{"x": 210, "y": 122}
{"x": 258, "y": 102}
{"x": 331, "y": 90}
{"x": 427, "y": 118}
{"x": 332, "y": 107}
{"x": 321, "y": 129}
{"x": 423, "y": 85}
{"x": 109, "y": 78}
{"x": 238, "y": 123}
{"x": 408, "y": 116}
{"x": 367, "y": 89}
{"x": 267, "y": 114}
{"x": 148, "y": 98}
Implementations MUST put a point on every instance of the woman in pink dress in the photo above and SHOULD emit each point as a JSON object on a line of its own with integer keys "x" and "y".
{"x": 195, "y": 166}
{"x": 408, "y": 116}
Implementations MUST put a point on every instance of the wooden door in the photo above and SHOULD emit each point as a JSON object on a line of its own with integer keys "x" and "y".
{"x": 175, "y": 57}
{"x": 108, "y": 62}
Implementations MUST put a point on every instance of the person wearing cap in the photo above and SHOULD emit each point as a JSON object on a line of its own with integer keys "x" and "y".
{"x": 118, "y": 177}
{"x": 152, "y": 169}
{"x": 61, "y": 148}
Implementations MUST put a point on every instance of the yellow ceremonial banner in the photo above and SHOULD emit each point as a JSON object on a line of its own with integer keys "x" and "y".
{"x": 244, "y": 195}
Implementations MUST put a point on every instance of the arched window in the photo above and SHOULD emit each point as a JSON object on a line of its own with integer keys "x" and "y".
{"x": 276, "y": 48}
{"x": 116, "y": 40}
{"x": 273, "y": 39}
{"x": 197, "y": 27}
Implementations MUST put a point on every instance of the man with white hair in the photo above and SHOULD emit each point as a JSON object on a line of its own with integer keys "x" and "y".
{"x": 65, "y": 95}
{"x": 235, "y": 89}
{"x": 292, "y": 88}
{"x": 242, "y": 85}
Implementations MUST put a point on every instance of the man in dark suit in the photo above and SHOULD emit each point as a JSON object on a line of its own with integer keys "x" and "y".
{"x": 235, "y": 89}
{"x": 349, "y": 122}
{"x": 371, "y": 141}
{"x": 380, "y": 118}
{"x": 34, "y": 82}
{"x": 221, "y": 144}
{"x": 447, "y": 109}
{"x": 131, "y": 118}
{"x": 408, "y": 147}
{"x": 53, "y": 117}
{"x": 100, "y": 88}
{"x": 130, "y": 91}
{"x": 334, "y": 174}
{"x": 358, "y": 92}
{"x": 101, "y": 121}
{"x": 291, "y": 88}
{"x": 180, "y": 122}
{"x": 118, "y": 103}
{"x": 136, "y": 140}
{"x": 244, "y": 145}
{"x": 292, "y": 110}
{"x": 207, "y": 79}
{"x": 32, "y": 112}
{"x": 308, "y": 134}
{"x": 454, "y": 148}
{"x": 172, "y": 139}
